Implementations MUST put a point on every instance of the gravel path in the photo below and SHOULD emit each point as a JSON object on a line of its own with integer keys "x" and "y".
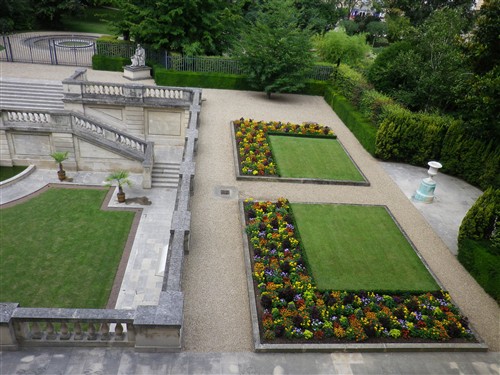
{"x": 217, "y": 317}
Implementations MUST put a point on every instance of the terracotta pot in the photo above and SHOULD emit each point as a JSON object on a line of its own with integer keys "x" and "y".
{"x": 61, "y": 174}
{"x": 121, "y": 197}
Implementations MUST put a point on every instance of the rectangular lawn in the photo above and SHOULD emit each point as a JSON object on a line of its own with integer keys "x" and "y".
{"x": 354, "y": 248}
{"x": 306, "y": 157}
{"x": 59, "y": 249}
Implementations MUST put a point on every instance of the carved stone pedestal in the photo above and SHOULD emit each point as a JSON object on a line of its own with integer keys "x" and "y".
{"x": 136, "y": 73}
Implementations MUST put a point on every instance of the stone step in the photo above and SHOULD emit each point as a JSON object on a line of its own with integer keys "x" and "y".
{"x": 26, "y": 95}
{"x": 165, "y": 175}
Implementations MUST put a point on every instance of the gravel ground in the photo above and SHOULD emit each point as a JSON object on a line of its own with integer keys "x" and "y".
{"x": 217, "y": 317}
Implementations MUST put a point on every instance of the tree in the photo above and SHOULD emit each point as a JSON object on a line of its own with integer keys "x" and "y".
{"x": 16, "y": 15}
{"x": 337, "y": 46}
{"x": 482, "y": 45}
{"x": 419, "y": 10}
{"x": 424, "y": 72}
{"x": 398, "y": 26}
{"x": 275, "y": 52}
{"x": 376, "y": 30}
{"x": 318, "y": 15}
{"x": 187, "y": 26}
{"x": 49, "y": 12}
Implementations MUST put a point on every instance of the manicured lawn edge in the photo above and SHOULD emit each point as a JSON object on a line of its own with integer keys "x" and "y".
{"x": 242, "y": 177}
{"x": 261, "y": 346}
{"x": 122, "y": 265}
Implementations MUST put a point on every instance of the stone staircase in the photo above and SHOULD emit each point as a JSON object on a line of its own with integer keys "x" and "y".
{"x": 31, "y": 94}
{"x": 165, "y": 175}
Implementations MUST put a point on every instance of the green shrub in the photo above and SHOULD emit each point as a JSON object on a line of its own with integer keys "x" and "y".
{"x": 204, "y": 80}
{"x": 475, "y": 161}
{"x": 483, "y": 262}
{"x": 314, "y": 88}
{"x": 350, "y": 83}
{"x": 335, "y": 46}
{"x": 479, "y": 222}
{"x": 372, "y": 105}
{"x": 111, "y": 46}
{"x": 112, "y": 64}
{"x": 409, "y": 137}
{"x": 361, "y": 127}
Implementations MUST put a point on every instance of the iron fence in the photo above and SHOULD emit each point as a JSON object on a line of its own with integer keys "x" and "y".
{"x": 64, "y": 49}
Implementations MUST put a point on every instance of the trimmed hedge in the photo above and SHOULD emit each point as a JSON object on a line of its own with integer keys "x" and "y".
{"x": 478, "y": 248}
{"x": 483, "y": 263}
{"x": 360, "y": 126}
{"x": 414, "y": 138}
{"x": 112, "y": 64}
{"x": 166, "y": 77}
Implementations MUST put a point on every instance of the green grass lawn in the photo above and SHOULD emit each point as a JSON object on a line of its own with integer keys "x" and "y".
{"x": 8, "y": 172}
{"x": 356, "y": 248}
{"x": 92, "y": 20}
{"x": 304, "y": 157}
{"x": 60, "y": 249}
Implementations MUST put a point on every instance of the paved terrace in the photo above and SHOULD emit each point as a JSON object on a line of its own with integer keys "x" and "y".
{"x": 217, "y": 318}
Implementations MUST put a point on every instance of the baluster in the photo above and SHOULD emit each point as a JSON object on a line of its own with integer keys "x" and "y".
{"x": 119, "y": 331}
{"x": 37, "y": 117}
{"x": 91, "y": 332}
{"x": 104, "y": 331}
{"x": 36, "y": 333}
{"x": 78, "y": 331}
{"x": 64, "y": 334}
{"x": 25, "y": 117}
{"x": 51, "y": 332}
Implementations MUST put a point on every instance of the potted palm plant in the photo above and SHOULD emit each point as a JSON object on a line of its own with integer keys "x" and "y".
{"x": 121, "y": 178}
{"x": 59, "y": 157}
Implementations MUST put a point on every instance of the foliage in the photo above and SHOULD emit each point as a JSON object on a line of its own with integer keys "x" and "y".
{"x": 317, "y": 15}
{"x": 372, "y": 105}
{"x": 59, "y": 157}
{"x": 349, "y": 26}
{"x": 376, "y": 30}
{"x": 480, "y": 221}
{"x": 360, "y": 126}
{"x": 292, "y": 307}
{"x": 482, "y": 45}
{"x": 482, "y": 261}
{"x": 188, "y": 26}
{"x": 274, "y": 52}
{"x": 121, "y": 178}
{"x": 68, "y": 232}
{"x": 350, "y": 83}
{"x": 423, "y": 71}
{"x": 398, "y": 27}
{"x": 337, "y": 46}
{"x": 254, "y": 152}
{"x": 476, "y": 161}
{"x": 16, "y": 15}
{"x": 410, "y": 137}
{"x": 50, "y": 12}
{"x": 112, "y": 64}
{"x": 419, "y": 11}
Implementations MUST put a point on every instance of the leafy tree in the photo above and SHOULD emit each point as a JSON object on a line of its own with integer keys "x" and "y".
{"x": 376, "y": 30}
{"x": 16, "y": 15}
{"x": 49, "y": 12}
{"x": 424, "y": 72}
{"x": 275, "y": 52}
{"x": 398, "y": 26}
{"x": 337, "y": 46}
{"x": 482, "y": 45}
{"x": 189, "y": 26}
{"x": 350, "y": 27}
{"x": 318, "y": 15}
{"x": 419, "y": 10}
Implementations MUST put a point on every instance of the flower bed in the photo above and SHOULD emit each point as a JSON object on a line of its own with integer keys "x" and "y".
{"x": 292, "y": 309}
{"x": 254, "y": 152}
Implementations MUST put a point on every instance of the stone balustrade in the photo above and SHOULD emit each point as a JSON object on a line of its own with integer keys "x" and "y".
{"x": 147, "y": 328}
{"x": 102, "y": 89}
{"x": 28, "y": 116}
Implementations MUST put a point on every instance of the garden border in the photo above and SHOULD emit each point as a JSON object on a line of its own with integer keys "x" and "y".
{"x": 479, "y": 346}
{"x": 317, "y": 181}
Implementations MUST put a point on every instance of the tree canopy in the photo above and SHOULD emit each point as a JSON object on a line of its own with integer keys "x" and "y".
{"x": 274, "y": 51}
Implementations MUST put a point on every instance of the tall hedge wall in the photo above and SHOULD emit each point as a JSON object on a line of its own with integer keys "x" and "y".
{"x": 417, "y": 138}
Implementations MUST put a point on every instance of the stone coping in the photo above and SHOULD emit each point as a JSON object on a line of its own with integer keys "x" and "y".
{"x": 479, "y": 346}
{"x": 31, "y": 168}
{"x": 318, "y": 181}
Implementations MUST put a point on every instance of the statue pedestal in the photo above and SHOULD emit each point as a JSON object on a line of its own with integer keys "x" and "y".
{"x": 425, "y": 192}
{"x": 136, "y": 73}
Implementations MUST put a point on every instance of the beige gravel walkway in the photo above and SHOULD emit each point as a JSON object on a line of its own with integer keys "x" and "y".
{"x": 217, "y": 315}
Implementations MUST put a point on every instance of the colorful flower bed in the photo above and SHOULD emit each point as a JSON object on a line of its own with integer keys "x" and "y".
{"x": 254, "y": 152}
{"x": 292, "y": 308}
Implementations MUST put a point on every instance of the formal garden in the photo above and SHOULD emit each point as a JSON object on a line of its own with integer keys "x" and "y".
{"x": 72, "y": 251}
{"x": 280, "y": 149}
{"x": 316, "y": 279}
